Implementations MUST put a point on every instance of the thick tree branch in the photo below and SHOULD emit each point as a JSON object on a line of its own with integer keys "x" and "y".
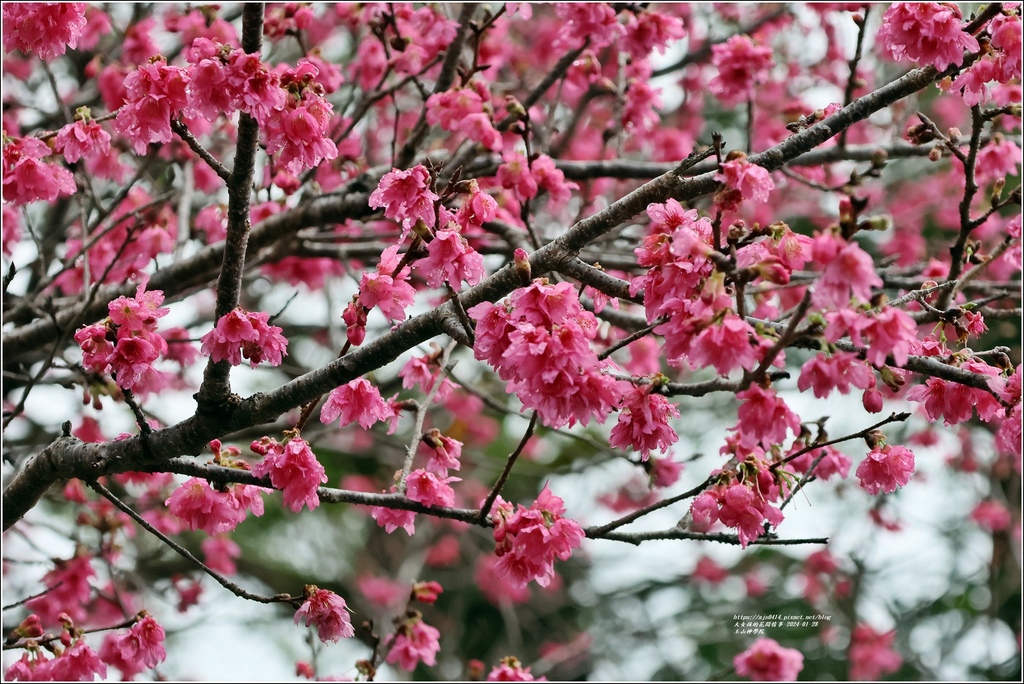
{"x": 216, "y": 387}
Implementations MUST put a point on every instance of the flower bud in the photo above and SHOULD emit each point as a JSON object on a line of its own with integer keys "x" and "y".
{"x": 426, "y": 592}
{"x": 872, "y": 400}
{"x": 522, "y": 263}
{"x": 30, "y": 628}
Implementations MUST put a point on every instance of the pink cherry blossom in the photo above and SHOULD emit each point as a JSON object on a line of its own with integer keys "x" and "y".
{"x": 885, "y": 469}
{"x": 479, "y": 128}
{"x": 30, "y": 668}
{"x": 293, "y": 469}
{"x": 26, "y": 178}
{"x": 451, "y": 260}
{"x": 328, "y": 612}
{"x": 515, "y": 175}
{"x": 707, "y": 570}
{"x": 848, "y": 270}
{"x": 393, "y": 518}
{"x": 83, "y": 138}
{"x": 1006, "y": 37}
{"x": 832, "y": 462}
{"x": 972, "y": 82}
{"x": 992, "y": 516}
{"x": 69, "y": 590}
{"x": 430, "y": 490}
{"x": 528, "y": 540}
{"x": 357, "y": 401}
{"x": 838, "y": 371}
{"x": 79, "y": 663}
{"x": 240, "y": 333}
{"x": 767, "y": 661}
{"x": 219, "y": 553}
{"x": 46, "y": 29}
{"x": 155, "y": 93}
{"x": 726, "y": 346}
{"x": 415, "y": 642}
{"x": 143, "y": 643}
{"x": 477, "y": 209}
{"x": 997, "y": 160}
{"x": 451, "y": 106}
{"x": 299, "y": 132}
{"x": 746, "y": 510}
{"x": 382, "y": 592}
{"x": 742, "y": 66}
{"x": 746, "y": 181}
{"x": 545, "y": 353}
{"x": 593, "y": 21}
{"x": 391, "y": 295}
{"x": 446, "y": 452}
{"x": 511, "y": 670}
{"x": 651, "y": 30}
{"x": 764, "y": 418}
{"x": 204, "y": 508}
{"x": 644, "y": 422}
{"x": 871, "y": 654}
{"x": 406, "y": 195}
{"x": 551, "y": 180}
{"x": 925, "y": 33}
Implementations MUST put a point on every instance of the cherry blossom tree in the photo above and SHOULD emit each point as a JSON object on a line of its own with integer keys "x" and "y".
{"x": 382, "y": 319}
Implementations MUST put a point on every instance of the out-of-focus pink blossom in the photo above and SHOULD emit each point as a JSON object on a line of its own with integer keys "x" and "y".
{"x": 767, "y": 661}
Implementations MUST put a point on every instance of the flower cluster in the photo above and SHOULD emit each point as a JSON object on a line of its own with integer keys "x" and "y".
{"x": 742, "y": 65}
{"x": 241, "y": 334}
{"x": 387, "y": 288}
{"x": 328, "y": 612}
{"x": 82, "y": 138}
{"x": 538, "y": 341}
{"x": 299, "y": 130}
{"x": 886, "y": 468}
{"x": 450, "y": 259}
{"x": 465, "y": 110}
{"x": 292, "y": 468}
{"x": 527, "y": 540}
{"x": 138, "y": 649}
{"x": 224, "y": 80}
{"x": 742, "y": 498}
{"x": 139, "y": 233}
{"x": 644, "y": 422}
{"x": 415, "y": 642}
{"x": 742, "y": 181}
{"x": 737, "y": 505}
{"x": 155, "y": 93}
{"x": 126, "y": 343}
{"x": 925, "y": 33}
{"x": 406, "y": 196}
{"x": 45, "y": 29}
{"x": 357, "y": 401}
{"x": 26, "y": 177}
{"x": 212, "y": 510}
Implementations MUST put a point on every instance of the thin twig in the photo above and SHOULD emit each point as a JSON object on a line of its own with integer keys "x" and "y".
{"x": 185, "y": 553}
{"x": 485, "y": 509}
